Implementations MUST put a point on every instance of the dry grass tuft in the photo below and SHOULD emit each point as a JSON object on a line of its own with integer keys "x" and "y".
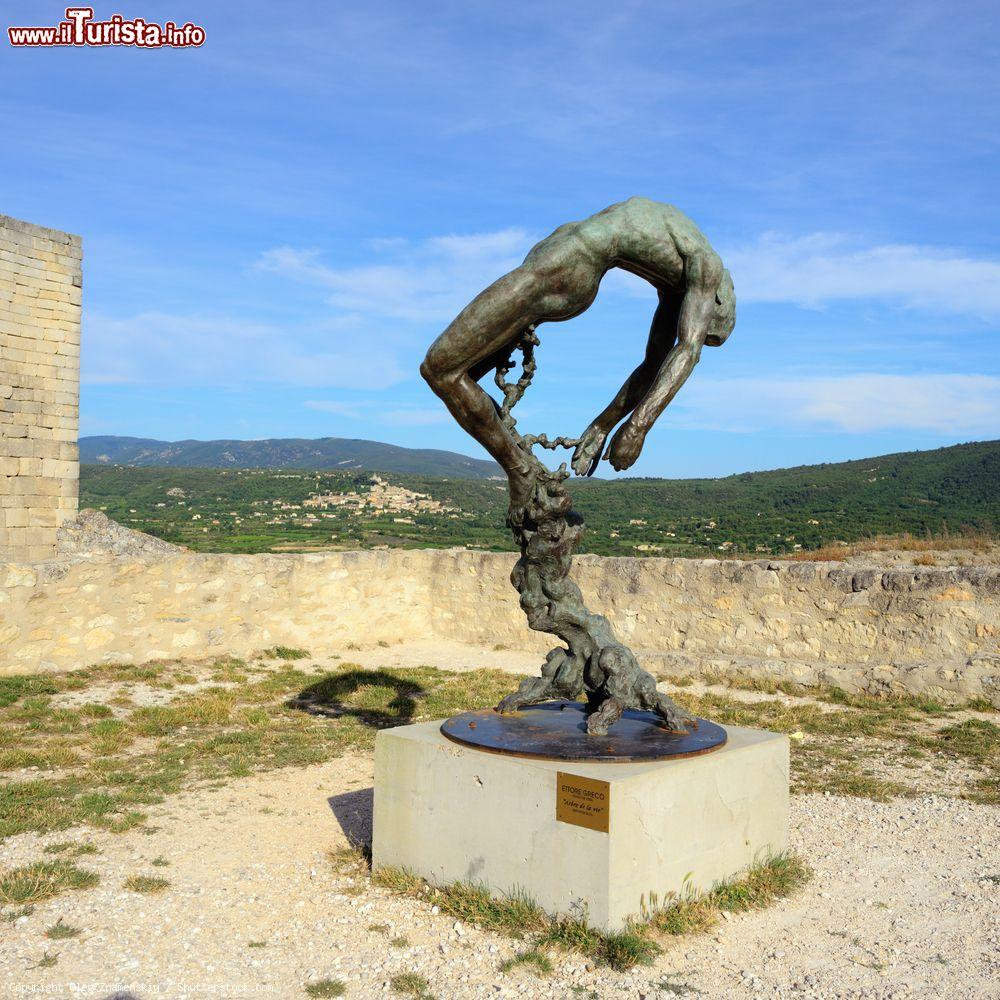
{"x": 42, "y": 880}
{"x": 965, "y": 541}
{"x": 146, "y": 883}
{"x": 518, "y": 916}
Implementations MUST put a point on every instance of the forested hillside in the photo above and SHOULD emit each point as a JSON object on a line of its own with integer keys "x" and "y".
{"x": 775, "y": 512}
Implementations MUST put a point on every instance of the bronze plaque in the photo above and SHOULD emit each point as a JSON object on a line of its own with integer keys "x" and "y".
{"x": 583, "y": 801}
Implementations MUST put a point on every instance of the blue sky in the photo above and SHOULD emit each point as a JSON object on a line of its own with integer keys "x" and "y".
{"x": 277, "y": 225}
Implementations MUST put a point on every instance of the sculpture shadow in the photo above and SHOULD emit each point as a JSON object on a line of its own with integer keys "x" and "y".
{"x": 353, "y": 811}
{"x": 327, "y": 698}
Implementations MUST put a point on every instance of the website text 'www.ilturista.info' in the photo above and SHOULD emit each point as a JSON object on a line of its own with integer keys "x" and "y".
{"x": 80, "y": 28}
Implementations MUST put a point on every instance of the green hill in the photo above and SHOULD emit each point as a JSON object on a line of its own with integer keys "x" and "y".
{"x": 775, "y": 512}
{"x": 348, "y": 454}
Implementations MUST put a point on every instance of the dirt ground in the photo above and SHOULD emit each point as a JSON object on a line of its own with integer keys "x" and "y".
{"x": 903, "y": 904}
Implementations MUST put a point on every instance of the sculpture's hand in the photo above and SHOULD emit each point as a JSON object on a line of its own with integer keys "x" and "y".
{"x": 588, "y": 451}
{"x": 625, "y": 446}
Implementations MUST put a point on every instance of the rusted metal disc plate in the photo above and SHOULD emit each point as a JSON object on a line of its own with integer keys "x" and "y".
{"x": 557, "y": 730}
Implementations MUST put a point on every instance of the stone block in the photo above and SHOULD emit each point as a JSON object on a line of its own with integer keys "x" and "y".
{"x": 450, "y": 813}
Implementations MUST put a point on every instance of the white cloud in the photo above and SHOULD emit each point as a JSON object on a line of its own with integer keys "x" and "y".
{"x": 160, "y": 348}
{"x": 414, "y": 282}
{"x": 384, "y": 314}
{"x": 417, "y": 416}
{"x": 820, "y": 268}
{"x": 860, "y": 403}
{"x": 391, "y": 413}
{"x": 352, "y": 411}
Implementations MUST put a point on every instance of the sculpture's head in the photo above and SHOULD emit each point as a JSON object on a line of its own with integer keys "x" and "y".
{"x": 724, "y": 318}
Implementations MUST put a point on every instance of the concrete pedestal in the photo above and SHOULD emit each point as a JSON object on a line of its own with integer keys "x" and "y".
{"x": 453, "y": 814}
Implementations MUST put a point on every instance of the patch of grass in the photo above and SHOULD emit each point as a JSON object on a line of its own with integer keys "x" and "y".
{"x": 13, "y": 689}
{"x": 145, "y": 883}
{"x": 256, "y": 944}
{"x": 512, "y": 914}
{"x": 978, "y": 742}
{"x": 353, "y": 861}
{"x": 620, "y": 950}
{"x": 42, "y": 880}
{"x": 679, "y": 681}
{"x": 159, "y": 862}
{"x": 109, "y": 736}
{"x": 71, "y": 848}
{"x": 400, "y": 942}
{"x": 968, "y": 540}
{"x": 61, "y": 932}
{"x": 46, "y": 961}
{"x": 95, "y": 710}
{"x": 843, "y": 779}
{"x": 975, "y": 739}
{"x": 125, "y": 764}
{"x": 774, "y": 878}
{"x": 409, "y": 984}
{"x": 675, "y": 989}
{"x": 891, "y": 703}
{"x": 285, "y": 653}
{"x": 49, "y": 758}
{"x": 833, "y": 734}
{"x": 985, "y": 790}
{"x": 518, "y": 916}
{"x": 534, "y": 958}
{"x": 981, "y": 705}
{"x": 108, "y": 769}
{"x": 326, "y": 988}
{"x": 12, "y": 915}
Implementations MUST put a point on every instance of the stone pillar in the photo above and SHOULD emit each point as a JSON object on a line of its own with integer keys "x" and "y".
{"x": 40, "y": 294}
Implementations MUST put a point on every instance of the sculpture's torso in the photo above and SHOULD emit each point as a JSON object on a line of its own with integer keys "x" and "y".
{"x": 647, "y": 238}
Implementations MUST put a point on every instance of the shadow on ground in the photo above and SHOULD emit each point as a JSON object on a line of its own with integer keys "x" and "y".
{"x": 332, "y": 697}
{"x": 353, "y": 811}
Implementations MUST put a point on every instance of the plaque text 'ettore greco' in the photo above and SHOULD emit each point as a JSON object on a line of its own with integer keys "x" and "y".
{"x": 583, "y": 801}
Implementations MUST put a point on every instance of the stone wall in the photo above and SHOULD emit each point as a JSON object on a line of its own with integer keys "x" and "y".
{"x": 40, "y": 288}
{"x": 919, "y": 629}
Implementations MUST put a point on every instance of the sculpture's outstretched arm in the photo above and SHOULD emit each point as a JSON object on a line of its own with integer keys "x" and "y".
{"x": 692, "y": 328}
{"x": 662, "y": 336}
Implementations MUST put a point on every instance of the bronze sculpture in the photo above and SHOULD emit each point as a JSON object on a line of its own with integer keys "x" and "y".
{"x": 558, "y": 280}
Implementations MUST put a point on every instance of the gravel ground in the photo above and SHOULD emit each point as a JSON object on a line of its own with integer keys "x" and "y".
{"x": 904, "y": 904}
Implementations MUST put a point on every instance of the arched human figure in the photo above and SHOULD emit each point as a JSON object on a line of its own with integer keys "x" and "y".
{"x": 558, "y": 280}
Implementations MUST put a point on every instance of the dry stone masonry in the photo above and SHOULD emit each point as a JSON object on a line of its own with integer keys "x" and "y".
{"x": 115, "y": 595}
{"x": 40, "y": 290}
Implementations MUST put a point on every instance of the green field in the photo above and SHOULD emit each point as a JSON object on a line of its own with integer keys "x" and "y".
{"x": 777, "y": 512}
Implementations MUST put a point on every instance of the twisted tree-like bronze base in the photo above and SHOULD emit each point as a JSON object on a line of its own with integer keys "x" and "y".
{"x": 593, "y": 662}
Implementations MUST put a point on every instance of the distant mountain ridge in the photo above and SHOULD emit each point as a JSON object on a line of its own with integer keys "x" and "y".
{"x": 343, "y": 454}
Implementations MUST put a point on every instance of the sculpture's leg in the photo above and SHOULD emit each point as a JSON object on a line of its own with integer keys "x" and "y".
{"x": 674, "y": 717}
{"x": 627, "y": 685}
{"x": 484, "y": 332}
{"x": 607, "y": 715}
{"x": 559, "y": 679}
{"x": 530, "y": 691}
